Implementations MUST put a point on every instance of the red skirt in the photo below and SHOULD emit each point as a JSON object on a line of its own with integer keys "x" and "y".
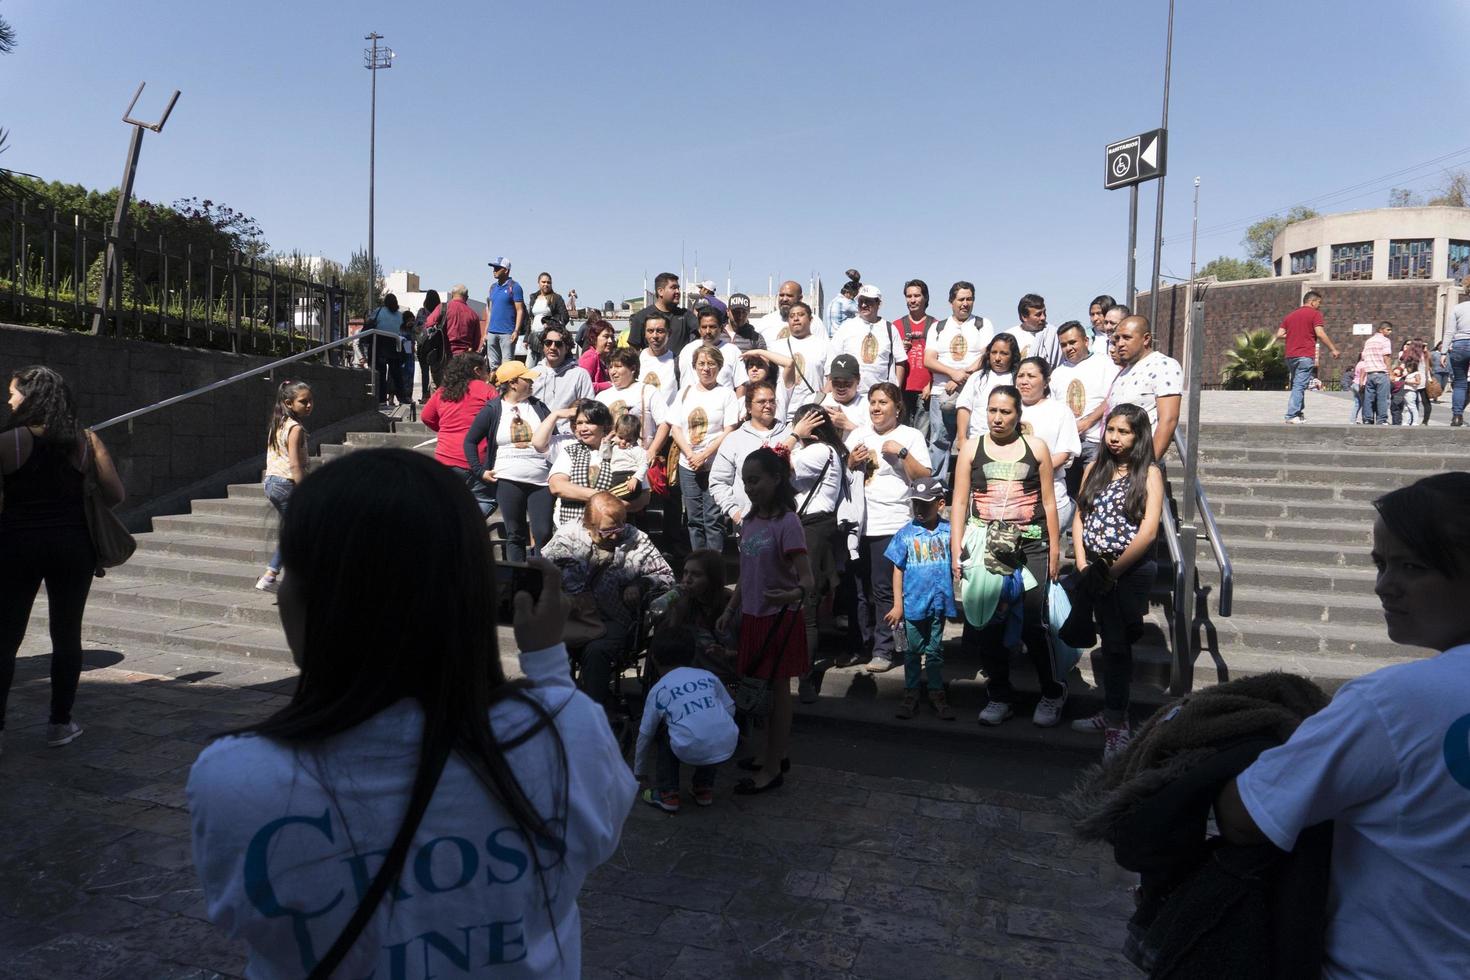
{"x": 780, "y": 639}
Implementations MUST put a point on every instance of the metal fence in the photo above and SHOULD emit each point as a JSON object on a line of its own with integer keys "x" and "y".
{"x": 51, "y": 275}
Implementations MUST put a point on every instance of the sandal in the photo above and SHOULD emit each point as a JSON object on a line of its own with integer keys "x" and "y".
{"x": 751, "y": 765}
{"x": 748, "y": 787}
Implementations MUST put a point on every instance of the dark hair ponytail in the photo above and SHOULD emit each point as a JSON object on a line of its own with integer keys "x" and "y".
{"x": 285, "y": 394}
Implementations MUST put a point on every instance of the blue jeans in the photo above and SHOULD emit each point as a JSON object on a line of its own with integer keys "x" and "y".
{"x": 278, "y": 491}
{"x": 1459, "y": 361}
{"x": 1375, "y": 397}
{"x": 925, "y": 655}
{"x": 484, "y": 493}
{"x": 1300, "y": 369}
{"x": 1357, "y": 404}
{"x": 706, "y": 520}
{"x": 942, "y": 430}
{"x": 498, "y": 350}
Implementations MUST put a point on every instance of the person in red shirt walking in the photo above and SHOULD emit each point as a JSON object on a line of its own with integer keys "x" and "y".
{"x": 462, "y": 328}
{"x": 914, "y": 328}
{"x": 1302, "y": 328}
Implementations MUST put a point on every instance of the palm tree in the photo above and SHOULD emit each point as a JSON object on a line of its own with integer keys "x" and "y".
{"x": 7, "y": 45}
{"x": 1255, "y": 362}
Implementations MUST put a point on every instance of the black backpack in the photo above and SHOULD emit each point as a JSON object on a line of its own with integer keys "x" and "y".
{"x": 433, "y": 345}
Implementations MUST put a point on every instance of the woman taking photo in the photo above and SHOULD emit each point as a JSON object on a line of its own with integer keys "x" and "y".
{"x": 1388, "y": 761}
{"x": 450, "y": 412}
{"x": 517, "y": 430}
{"x": 1051, "y": 422}
{"x": 581, "y": 468}
{"x": 700, "y": 417}
{"x": 1117, "y": 520}
{"x": 1002, "y": 355}
{"x": 1005, "y": 548}
{"x": 600, "y": 341}
{"x": 45, "y": 458}
{"x": 891, "y": 456}
{"x": 409, "y": 800}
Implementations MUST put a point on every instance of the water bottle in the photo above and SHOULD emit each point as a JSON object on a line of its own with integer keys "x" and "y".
{"x": 900, "y": 639}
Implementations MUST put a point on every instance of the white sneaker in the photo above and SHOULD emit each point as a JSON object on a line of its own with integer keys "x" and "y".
{"x": 1295, "y": 420}
{"x": 268, "y": 582}
{"x": 59, "y": 735}
{"x": 1048, "y": 711}
{"x": 995, "y": 712}
{"x": 1095, "y": 724}
{"x": 1117, "y": 742}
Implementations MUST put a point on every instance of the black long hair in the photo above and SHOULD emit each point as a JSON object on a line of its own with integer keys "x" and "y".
{"x": 431, "y": 302}
{"x": 458, "y": 374}
{"x": 1105, "y": 467}
{"x": 826, "y": 432}
{"x": 436, "y": 643}
{"x": 775, "y": 466}
{"x": 49, "y": 404}
{"x": 285, "y": 395}
{"x": 1006, "y": 340}
{"x": 1416, "y": 516}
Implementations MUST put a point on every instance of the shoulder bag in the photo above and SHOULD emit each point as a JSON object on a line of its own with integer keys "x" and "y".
{"x": 753, "y": 693}
{"x": 110, "y": 539}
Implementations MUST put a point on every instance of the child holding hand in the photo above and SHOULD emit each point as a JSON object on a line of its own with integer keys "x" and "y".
{"x": 923, "y": 595}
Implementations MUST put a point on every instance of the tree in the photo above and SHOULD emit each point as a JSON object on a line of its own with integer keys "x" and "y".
{"x": 1259, "y": 236}
{"x": 355, "y": 283}
{"x": 1227, "y": 269}
{"x": 7, "y": 45}
{"x": 215, "y": 219}
{"x": 1455, "y": 192}
{"x": 1256, "y": 361}
{"x": 1402, "y": 197}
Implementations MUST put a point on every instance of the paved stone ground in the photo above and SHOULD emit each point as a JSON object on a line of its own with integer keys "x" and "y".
{"x": 1269, "y": 407}
{"x": 848, "y": 871}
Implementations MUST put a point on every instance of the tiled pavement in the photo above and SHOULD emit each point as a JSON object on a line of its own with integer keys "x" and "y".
{"x": 840, "y": 874}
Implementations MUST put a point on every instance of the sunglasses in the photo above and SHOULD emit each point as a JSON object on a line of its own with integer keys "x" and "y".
{"x": 553, "y": 343}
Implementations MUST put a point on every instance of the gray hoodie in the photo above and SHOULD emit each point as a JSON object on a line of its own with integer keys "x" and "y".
{"x": 725, "y": 484}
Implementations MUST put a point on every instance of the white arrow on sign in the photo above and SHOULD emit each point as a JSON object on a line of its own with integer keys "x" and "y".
{"x": 1150, "y": 153}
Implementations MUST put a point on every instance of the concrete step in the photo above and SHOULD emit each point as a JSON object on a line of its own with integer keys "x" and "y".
{"x": 391, "y": 440}
{"x": 1343, "y": 458}
{"x": 181, "y": 570}
{"x": 1397, "y": 438}
{"x": 1242, "y": 632}
{"x": 260, "y": 526}
{"x": 211, "y": 603}
{"x": 1226, "y": 486}
{"x": 1291, "y": 474}
{"x": 1362, "y": 610}
{"x": 1277, "y": 578}
{"x": 1292, "y": 553}
{"x": 247, "y": 507}
{"x": 1338, "y": 512}
{"x": 1328, "y": 672}
{"x": 1237, "y": 530}
{"x": 119, "y": 626}
{"x": 247, "y": 551}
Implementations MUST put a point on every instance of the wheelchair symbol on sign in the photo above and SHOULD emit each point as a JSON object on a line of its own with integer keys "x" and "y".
{"x": 1121, "y": 165}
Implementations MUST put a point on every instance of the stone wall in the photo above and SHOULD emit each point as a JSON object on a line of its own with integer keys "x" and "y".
{"x": 1233, "y": 308}
{"x": 185, "y": 445}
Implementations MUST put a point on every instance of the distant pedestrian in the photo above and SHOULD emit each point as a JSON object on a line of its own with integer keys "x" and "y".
{"x": 738, "y": 328}
{"x": 461, "y": 324}
{"x": 1302, "y": 330}
{"x": 1113, "y": 535}
{"x": 1457, "y": 334}
{"x": 432, "y": 349}
{"x": 450, "y": 412}
{"x": 47, "y": 460}
{"x": 702, "y": 415}
{"x": 1357, "y": 380}
{"x": 516, "y": 430}
{"x": 1377, "y": 388}
{"x": 385, "y": 354}
{"x": 688, "y": 717}
{"x": 923, "y": 596}
{"x": 775, "y": 578}
{"x": 407, "y": 344}
{"x": 546, "y": 306}
{"x": 507, "y": 310}
{"x": 560, "y": 380}
{"x": 844, "y": 305}
{"x": 707, "y": 297}
{"x": 601, "y": 339}
{"x": 1439, "y": 363}
{"x": 1002, "y": 357}
{"x": 285, "y": 460}
{"x": 1082, "y": 381}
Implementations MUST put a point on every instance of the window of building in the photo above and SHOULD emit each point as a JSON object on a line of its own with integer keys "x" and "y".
{"x": 1352, "y": 261}
{"x": 1410, "y": 258}
{"x": 1304, "y": 262}
{"x": 1459, "y": 260}
{"x": 1276, "y": 266}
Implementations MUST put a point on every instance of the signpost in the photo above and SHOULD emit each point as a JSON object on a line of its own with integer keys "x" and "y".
{"x": 1130, "y": 162}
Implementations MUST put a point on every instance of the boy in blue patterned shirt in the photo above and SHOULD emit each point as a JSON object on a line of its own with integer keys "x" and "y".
{"x": 923, "y": 595}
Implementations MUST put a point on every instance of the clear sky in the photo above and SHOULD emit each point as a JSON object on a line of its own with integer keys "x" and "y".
{"x": 942, "y": 140}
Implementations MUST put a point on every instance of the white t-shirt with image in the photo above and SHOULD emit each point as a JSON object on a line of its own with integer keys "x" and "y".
{"x": 957, "y": 345}
{"x": 732, "y": 370}
{"x": 1054, "y": 424}
{"x": 703, "y": 413}
{"x": 975, "y": 395}
{"x": 1082, "y": 387}
{"x": 662, "y": 371}
{"x": 885, "y": 480}
{"x": 872, "y": 345}
{"x": 810, "y": 375}
{"x": 515, "y": 458}
{"x": 645, "y": 402}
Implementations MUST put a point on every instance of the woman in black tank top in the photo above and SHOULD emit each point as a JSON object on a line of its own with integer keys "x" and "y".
{"x": 1005, "y": 548}
{"x": 43, "y": 532}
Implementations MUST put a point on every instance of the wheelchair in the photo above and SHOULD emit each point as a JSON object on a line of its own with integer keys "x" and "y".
{"x": 623, "y": 700}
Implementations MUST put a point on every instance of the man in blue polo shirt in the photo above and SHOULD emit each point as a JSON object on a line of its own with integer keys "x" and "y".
{"x": 507, "y": 306}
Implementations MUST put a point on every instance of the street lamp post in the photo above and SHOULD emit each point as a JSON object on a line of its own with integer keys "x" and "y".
{"x": 374, "y": 58}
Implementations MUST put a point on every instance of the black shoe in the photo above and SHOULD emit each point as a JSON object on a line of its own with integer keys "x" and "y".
{"x": 748, "y": 787}
{"x": 1457, "y": 421}
{"x": 750, "y": 765}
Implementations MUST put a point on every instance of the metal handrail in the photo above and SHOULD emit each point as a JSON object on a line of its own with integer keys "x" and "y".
{"x": 1213, "y": 536}
{"x": 252, "y": 373}
{"x": 1182, "y": 620}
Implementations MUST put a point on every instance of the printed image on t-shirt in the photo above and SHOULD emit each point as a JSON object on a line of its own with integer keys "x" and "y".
{"x": 1005, "y": 497}
{"x": 520, "y": 430}
{"x": 869, "y": 349}
{"x": 959, "y": 348}
{"x": 1076, "y": 397}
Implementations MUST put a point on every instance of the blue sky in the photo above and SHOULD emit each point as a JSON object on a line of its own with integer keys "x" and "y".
{"x": 942, "y": 140}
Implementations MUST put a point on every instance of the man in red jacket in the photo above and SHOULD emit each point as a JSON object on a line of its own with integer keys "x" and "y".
{"x": 462, "y": 326}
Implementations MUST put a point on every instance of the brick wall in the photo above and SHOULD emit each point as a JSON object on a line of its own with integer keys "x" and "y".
{"x": 1233, "y": 308}
{"x": 184, "y": 444}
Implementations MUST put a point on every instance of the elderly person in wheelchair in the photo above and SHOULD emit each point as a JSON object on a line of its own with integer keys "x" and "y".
{"x": 610, "y": 571}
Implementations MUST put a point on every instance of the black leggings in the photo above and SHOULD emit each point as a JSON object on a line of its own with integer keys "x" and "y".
{"x": 63, "y": 558}
{"x": 994, "y": 656}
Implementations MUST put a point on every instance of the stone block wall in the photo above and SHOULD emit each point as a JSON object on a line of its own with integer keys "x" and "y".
{"x": 177, "y": 447}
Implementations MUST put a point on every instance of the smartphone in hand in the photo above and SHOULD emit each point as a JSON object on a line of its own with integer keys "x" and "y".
{"x": 519, "y": 577}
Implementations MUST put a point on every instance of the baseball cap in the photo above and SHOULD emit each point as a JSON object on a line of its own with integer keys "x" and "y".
{"x": 739, "y": 299}
{"x": 844, "y": 367}
{"x": 511, "y": 370}
{"x": 500, "y": 262}
{"x": 927, "y": 489}
{"x": 870, "y": 291}
{"x": 708, "y": 284}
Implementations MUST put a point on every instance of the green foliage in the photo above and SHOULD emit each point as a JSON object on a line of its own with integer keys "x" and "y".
{"x": 1227, "y": 269}
{"x": 1256, "y": 361}
{"x": 355, "y": 283}
{"x": 1259, "y": 236}
{"x": 1453, "y": 193}
{"x": 94, "y": 280}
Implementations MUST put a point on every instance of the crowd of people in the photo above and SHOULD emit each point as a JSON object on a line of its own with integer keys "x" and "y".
{"x": 936, "y": 464}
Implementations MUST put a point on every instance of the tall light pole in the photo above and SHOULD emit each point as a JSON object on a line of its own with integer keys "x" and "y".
{"x": 1153, "y": 296}
{"x": 374, "y": 58}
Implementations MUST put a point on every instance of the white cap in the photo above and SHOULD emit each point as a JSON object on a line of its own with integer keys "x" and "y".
{"x": 870, "y": 291}
{"x": 708, "y": 284}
